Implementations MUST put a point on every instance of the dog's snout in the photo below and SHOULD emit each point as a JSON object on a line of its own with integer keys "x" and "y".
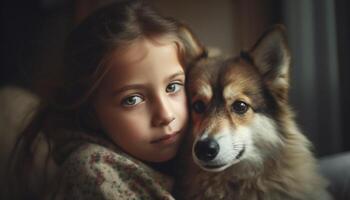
{"x": 207, "y": 149}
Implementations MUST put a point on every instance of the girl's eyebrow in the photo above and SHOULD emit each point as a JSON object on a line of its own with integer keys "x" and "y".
{"x": 179, "y": 73}
{"x": 128, "y": 87}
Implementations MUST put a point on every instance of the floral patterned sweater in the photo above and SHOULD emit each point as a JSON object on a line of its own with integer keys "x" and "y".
{"x": 94, "y": 171}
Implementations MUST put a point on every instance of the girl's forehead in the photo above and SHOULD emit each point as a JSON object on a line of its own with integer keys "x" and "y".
{"x": 139, "y": 49}
{"x": 141, "y": 58}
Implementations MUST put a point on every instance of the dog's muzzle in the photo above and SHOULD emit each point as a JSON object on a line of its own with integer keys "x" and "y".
{"x": 217, "y": 153}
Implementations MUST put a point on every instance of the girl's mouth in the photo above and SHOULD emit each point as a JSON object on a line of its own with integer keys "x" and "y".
{"x": 167, "y": 139}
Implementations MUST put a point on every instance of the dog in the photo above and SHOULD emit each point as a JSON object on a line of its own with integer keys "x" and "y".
{"x": 244, "y": 143}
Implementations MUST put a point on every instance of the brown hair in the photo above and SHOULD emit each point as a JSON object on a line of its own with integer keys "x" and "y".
{"x": 86, "y": 51}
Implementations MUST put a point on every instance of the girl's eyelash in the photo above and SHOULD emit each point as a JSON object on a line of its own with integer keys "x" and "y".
{"x": 179, "y": 82}
{"x": 132, "y": 100}
{"x": 179, "y": 85}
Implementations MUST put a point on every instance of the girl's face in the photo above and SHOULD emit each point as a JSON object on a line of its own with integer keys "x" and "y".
{"x": 141, "y": 102}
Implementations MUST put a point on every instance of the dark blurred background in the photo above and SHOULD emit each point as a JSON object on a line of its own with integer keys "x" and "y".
{"x": 33, "y": 32}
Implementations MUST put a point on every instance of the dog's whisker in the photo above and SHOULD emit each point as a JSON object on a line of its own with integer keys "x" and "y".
{"x": 238, "y": 145}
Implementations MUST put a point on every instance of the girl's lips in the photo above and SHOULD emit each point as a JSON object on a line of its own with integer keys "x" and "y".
{"x": 167, "y": 139}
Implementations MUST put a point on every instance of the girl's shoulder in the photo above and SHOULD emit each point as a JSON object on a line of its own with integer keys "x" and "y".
{"x": 92, "y": 155}
{"x": 101, "y": 172}
{"x": 99, "y": 161}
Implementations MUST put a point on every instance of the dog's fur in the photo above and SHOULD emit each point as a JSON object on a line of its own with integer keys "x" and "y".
{"x": 241, "y": 103}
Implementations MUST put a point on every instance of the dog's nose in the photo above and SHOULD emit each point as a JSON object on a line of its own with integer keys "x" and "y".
{"x": 207, "y": 149}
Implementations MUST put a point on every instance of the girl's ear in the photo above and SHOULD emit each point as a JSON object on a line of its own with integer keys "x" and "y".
{"x": 271, "y": 56}
{"x": 193, "y": 49}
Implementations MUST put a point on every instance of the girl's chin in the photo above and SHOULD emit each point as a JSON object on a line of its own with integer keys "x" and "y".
{"x": 162, "y": 158}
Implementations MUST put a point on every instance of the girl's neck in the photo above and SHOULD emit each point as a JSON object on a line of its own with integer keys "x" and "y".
{"x": 167, "y": 168}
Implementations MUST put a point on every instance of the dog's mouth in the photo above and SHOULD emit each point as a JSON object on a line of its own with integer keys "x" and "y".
{"x": 214, "y": 166}
{"x": 217, "y": 167}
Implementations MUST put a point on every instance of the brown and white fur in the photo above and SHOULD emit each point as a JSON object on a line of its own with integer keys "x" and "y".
{"x": 244, "y": 143}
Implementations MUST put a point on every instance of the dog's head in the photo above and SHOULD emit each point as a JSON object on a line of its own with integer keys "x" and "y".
{"x": 235, "y": 103}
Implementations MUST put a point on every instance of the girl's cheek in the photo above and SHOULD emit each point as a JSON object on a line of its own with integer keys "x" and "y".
{"x": 182, "y": 106}
{"x": 180, "y": 99}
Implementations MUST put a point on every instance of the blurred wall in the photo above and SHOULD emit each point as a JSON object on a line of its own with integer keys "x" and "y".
{"x": 227, "y": 25}
{"x": 212, "y": 21}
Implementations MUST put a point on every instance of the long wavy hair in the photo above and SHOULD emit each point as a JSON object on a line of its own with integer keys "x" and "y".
{"x": 87, "y": 49}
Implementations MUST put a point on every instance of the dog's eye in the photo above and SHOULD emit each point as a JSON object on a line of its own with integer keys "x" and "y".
{"x": 239, "y": 107}
{"x": 199, "y": 106}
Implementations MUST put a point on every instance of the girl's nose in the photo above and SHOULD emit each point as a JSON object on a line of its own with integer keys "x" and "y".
{"x": 163, "y": 114}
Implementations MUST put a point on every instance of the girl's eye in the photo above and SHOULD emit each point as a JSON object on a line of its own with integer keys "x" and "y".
{"x": 173, "y": 87}
{"x": 240, "y": 107}
{"x": 132, "y": 100}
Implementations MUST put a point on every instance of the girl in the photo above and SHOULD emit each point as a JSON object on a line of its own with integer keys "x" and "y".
{"x": 121, "y": 109}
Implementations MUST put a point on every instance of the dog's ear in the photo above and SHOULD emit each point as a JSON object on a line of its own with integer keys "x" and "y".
{"x": 271, "y": 56}
{"x": 192, "y": 48}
